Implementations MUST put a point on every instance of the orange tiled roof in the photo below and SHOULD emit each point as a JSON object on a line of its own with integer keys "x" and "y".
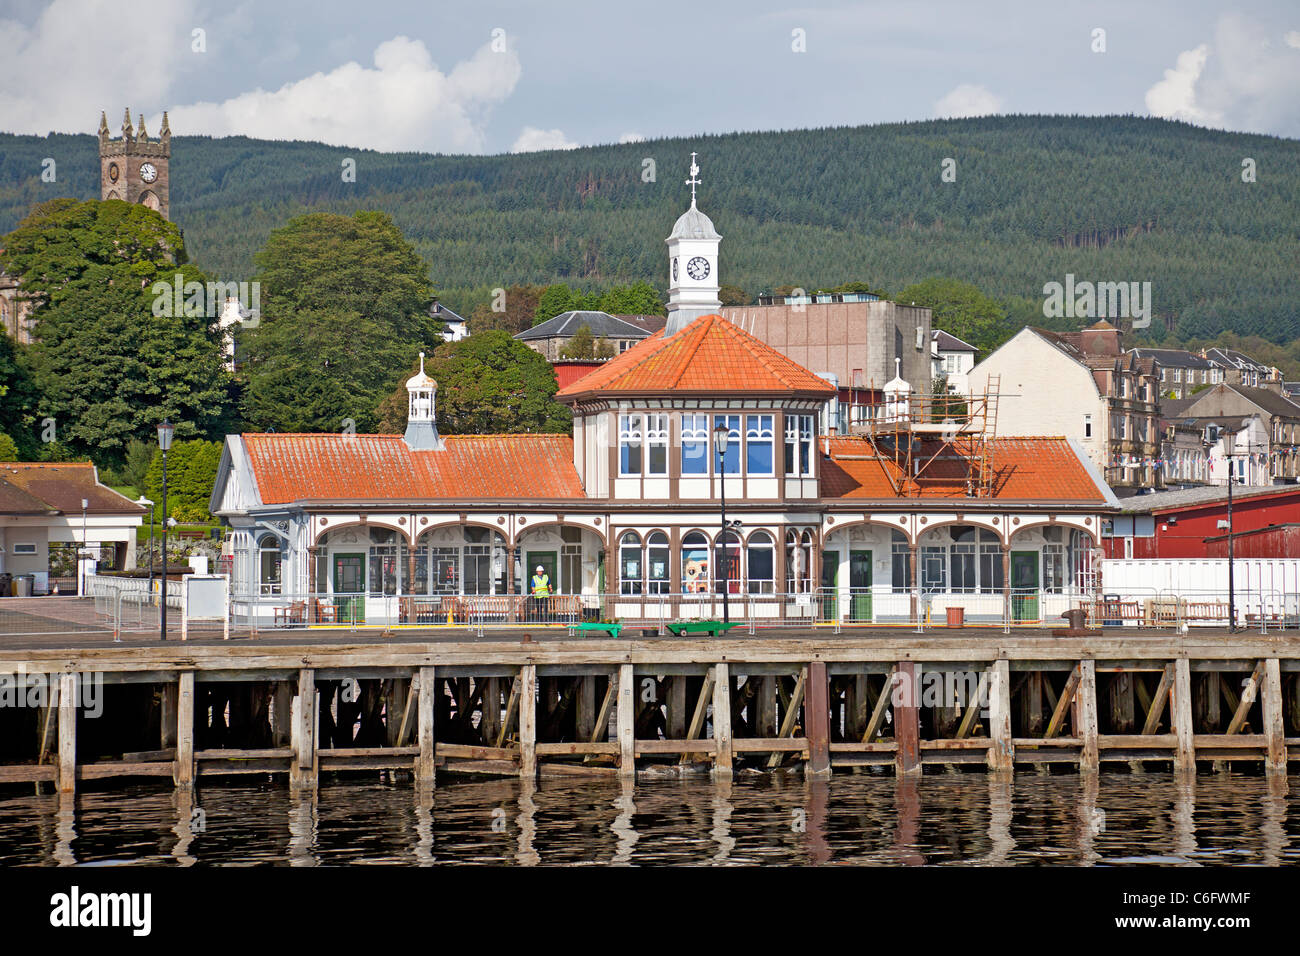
{"x": 1032, "y": 469}
{"x": 61, "y": 486}
{"x": 331, "y": 467}
{"x": 709, "y": 355}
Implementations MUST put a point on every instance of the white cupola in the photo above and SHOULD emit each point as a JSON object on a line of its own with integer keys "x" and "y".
{"x": 898, "y": 396}
{"x": 421, "y": 412}
{"x": 693, "y": 285}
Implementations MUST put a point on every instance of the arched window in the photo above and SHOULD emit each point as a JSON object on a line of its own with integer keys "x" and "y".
{"x": 695, "y": 563}
{"x": 630, "y": 570}
{"x": 268, "y": 564}
{"x": 798, "y": 561}
{"x": 728, "y": 562}
{"x": 760, "y": 561}
{"x": 656, "y": 571}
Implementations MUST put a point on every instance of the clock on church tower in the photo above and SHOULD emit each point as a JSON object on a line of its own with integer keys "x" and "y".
{"x": 135, "y": 168}
{"x": 693, "y": 285}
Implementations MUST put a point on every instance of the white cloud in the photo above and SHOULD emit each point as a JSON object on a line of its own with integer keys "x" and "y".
{"x": 1174, "y": 97}
{"x": 967, "y": 99}
{"x": 404, "y": 103}
{"x": 532, "y": 139}
{"x": 631, "y": 138}
{"x": 83, "y": 56}
{"x": 1244, "y": 79}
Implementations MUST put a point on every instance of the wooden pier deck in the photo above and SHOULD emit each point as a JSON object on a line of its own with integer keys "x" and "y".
{"x": 304, "y": 703}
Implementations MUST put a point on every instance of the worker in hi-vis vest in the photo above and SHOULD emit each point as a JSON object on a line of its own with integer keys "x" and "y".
{"x": 541, "y": 589}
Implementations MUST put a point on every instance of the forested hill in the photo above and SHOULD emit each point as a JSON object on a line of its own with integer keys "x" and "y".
{"x": 1111, "y": 198}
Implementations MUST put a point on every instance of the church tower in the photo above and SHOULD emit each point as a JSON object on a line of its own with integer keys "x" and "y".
{"x": 133, "y": 168}
{"x": 693, "y": 285}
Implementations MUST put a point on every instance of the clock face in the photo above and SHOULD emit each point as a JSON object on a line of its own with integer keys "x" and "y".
{"x": 148, "y": 172}
{"x": 674, "y": 268}
{"x": 698, "y": 268}
{"x": 113, "y": 172}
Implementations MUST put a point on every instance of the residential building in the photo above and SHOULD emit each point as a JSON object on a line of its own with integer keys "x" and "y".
{"x": 1204, "y": 451}
{"x": 951, "y": 360}
{"x": 1083, "y": 386}
{"x": 552, "y": 336}
{"x": 1180, "y": 524}
{"x": 41, "y": 506}
{"x": 15, "y": 310}
{"x": 1281, "y": 419}
{"x": 1182, "y": 373}
{"x": 454, "y": 326}
{"x": 1240, "y": 369}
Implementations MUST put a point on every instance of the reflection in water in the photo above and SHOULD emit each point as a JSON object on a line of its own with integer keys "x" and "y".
{"x": 862, "y": 819}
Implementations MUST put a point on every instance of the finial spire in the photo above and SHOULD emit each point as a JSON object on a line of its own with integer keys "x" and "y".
{"x": 695, "y": 177}
{"x": 898, "y": 367}
{"x": 421, "y": 363}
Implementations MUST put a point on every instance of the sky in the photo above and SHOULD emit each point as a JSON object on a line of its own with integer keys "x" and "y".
{"x": 493, "y": 77}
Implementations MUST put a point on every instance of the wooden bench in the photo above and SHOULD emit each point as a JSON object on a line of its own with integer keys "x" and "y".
{"x": 711, "y": 628}
{"x": 294, "y": 613}
{"x": 612, "y": 628}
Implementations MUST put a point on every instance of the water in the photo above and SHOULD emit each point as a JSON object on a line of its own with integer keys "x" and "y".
{"x": 862, "y": 819}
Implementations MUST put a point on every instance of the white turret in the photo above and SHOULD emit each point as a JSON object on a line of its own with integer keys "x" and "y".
{"x": 897, "y": 395}
{"x": 421, "y": 412}
{"x": 693, "y": 285}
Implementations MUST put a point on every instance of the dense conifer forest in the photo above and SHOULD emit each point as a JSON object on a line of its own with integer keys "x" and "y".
{"x": 1034, "y": 198}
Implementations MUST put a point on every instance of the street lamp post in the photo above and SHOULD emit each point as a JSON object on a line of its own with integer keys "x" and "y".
{"x": 720, "y": 436}
{"x": 165, "y": 432}
{"x": 142, "y": 501}
{"x": 85, "y": 548}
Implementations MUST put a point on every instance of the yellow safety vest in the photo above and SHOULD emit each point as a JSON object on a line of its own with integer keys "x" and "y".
{"x": 541, "y": 585}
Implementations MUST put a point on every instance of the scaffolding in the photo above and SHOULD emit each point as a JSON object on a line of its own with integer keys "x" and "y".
{"x": 926, "y": 440}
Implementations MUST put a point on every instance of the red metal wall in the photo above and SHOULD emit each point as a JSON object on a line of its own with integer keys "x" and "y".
{"x": 1186, "y": 537}
{"x": 1282, "y": 542}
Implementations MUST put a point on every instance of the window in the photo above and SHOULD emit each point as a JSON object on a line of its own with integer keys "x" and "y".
{"x": 730, "y": 458}
{"x": 268, "y": 563}
{"x": 962, "y": 563}
{"x": 657, "y": 563}
{"x": 933, "y": 576}
{"x": 445, "y": 566}
{"x": 1087, "y": 426}
{"x": 758, "y": 444}
{"x": 383, "y": 561}
{"x": 30, "y": 548}
{"x": 991, "y": 579}
{"x": 760, "y": 558}
{"x": 629, "y": 444}
{"x": 656, "y": 445}
{"x": 901, "y": 553}
{"x": 798, "y": 445}
{"x": 419, "y": 583}
{"x": 570, "y": 568}
{"x": 695, "y": 563}
{"x": 629, "y": 564}
{"x": 798, "y": 561}
{"x": 1054, "y": 568}
{"x": 695, "y": 444}
{"x": 728, "y": 562}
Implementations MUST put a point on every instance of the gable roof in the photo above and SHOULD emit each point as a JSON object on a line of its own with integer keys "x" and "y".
{"x": 1235, "y": 359}
{"x": 566, "y": 324}
{"x": 334, "y": 467}
{"x": 1173, "y": 358}
{"x": 710, "y": 354}
{"x": 1028, "y": 469}
{"x": 32, "y": 487}
{"x": 1266, "y": 400}
{"x": 947, "y": 342}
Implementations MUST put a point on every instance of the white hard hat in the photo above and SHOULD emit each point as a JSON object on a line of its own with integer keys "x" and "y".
{"x": 539, "y": 569}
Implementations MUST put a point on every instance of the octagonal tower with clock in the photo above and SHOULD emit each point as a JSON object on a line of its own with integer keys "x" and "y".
{"x": 134, "y": 168}
{"x": 693, "y": 285}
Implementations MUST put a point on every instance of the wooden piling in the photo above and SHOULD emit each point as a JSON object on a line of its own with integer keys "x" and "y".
{"x": 1086, "y": 698}
{"x": 1274, "y": 732}
{"x": 816, "y": 709}
{"x": 722, "y": 717}
{"x": 585, "y": 720}
{"x": 1122, "y": 714}
{"x": 424, "y": 769}
{"x": 907, "y": 719}
{"x": 67, "y": 733}
{"x": 305, "y": 729}
{"x": 168, "y": 717}
{"x": 1001, "y": 749}
{"x": 1180, "y": 698}
{"x": 183, "y": 729}
{"x": 528, "y": 721}
{"x": 1032, "y": 704}
{"x": 677, "y": 707}
{"x": 626, "y": 720}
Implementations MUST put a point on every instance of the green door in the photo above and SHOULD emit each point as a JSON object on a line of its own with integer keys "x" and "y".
{"x": 350, "y": 587}
{"x": 1024, "y": 585}
{"x": 860, "y": 585}
{"x": 830, "y": 580}
{"x": 550, "y": 567}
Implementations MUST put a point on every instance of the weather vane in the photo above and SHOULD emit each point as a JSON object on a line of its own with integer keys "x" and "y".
{"x": 694, "y": 180}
